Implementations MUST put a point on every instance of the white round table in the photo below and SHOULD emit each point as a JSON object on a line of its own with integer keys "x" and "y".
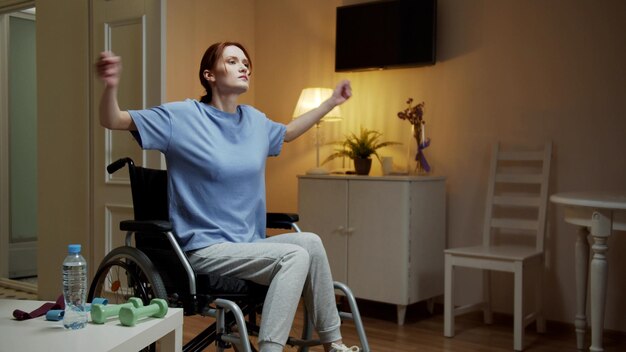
{"x": 598, "y": 214}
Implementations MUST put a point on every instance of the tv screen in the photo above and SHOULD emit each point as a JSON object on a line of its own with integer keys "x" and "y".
{"x": 385, "y": 34}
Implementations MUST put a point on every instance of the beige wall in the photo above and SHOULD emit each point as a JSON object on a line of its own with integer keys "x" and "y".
{"x": 518, "y": 71}
{"x": 194, "y": 25}
{"x": 63, "y": 137}
{"x": 295, "y": 50}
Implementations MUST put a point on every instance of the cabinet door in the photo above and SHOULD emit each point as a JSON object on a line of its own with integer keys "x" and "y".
{"x": 428, "y": 238}
{"x": 322, "y": 206}
{"x": 378, "y": 244}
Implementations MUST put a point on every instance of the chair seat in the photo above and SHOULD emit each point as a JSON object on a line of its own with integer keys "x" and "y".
{"x": 505, "y": 253}
{"x": 224, "y": 286}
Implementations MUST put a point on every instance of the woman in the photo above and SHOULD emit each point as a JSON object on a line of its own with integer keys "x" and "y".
{"x": 216, "y": 152}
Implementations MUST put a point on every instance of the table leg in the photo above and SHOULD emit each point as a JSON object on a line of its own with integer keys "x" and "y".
{"x": 582, "y": 267}
{"x": 600, "y": 230}
{"x": 172, "y": 341}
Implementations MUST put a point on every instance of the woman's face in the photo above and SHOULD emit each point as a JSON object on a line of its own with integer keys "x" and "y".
{"x": 231, "y": 73}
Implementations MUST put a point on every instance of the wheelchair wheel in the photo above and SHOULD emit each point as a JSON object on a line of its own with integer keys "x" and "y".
{"x": 127, "y": 272}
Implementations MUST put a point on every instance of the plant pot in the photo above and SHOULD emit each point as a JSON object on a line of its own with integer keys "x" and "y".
{"x": 362, "y": 166}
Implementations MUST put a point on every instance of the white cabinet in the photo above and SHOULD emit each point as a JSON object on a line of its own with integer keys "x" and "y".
{"x": 384, "y": 236}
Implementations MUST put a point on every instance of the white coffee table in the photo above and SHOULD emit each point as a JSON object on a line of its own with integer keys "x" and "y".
{"x": 39, "y": 334}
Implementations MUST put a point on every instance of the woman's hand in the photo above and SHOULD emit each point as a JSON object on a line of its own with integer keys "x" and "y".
{"x": 295, "y": 128}
{"x": 342, "y": 92}
{"x": 109, "y": 68}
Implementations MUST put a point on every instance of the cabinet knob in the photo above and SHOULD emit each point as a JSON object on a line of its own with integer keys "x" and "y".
{"x": 344, "y": 231}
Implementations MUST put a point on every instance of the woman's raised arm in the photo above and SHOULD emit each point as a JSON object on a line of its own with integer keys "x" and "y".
{"x": 109, "y": 68}
{"x": 295, "y": 128}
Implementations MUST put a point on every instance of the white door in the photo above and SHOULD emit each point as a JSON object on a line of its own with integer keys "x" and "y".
{"x": 18, "y": 145}
{"x": 134, "y": 30}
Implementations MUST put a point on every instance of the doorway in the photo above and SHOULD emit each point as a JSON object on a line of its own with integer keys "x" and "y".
{"x": 18, "y": 145}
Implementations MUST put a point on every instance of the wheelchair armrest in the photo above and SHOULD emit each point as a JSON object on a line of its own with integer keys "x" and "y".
{"x": 146, "y": 226}
{"x": 281, "y": 220}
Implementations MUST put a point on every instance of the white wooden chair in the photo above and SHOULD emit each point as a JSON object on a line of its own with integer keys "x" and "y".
{"x": 513, "y": 237}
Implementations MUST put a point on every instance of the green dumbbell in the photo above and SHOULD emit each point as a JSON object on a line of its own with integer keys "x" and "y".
{"x": 100, "y": 313}
{"x": 157, "y": 308}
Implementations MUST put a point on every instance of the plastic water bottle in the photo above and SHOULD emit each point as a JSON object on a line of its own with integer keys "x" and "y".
{"x": 75, "y": 288}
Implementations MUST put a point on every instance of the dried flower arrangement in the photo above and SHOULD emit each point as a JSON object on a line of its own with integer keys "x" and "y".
{"x": 415, "y": 115}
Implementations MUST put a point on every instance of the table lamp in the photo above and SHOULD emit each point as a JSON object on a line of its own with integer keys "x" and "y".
{"x": 310, "y": 98}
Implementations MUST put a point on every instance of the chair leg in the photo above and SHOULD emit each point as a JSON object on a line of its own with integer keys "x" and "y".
{"x": 541, "y": 321}
{"x": 448, "y": 302}
{"x": 220, "y": 319}
{"x": 518, "y": 311}
{"x": 307, "y": 330}
{"x": 242, "y": 341}
{"x": 355, "y": 315}
{"x": 487, "y": 313}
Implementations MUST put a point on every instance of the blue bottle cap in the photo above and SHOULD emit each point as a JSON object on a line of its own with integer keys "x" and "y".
{"x": 96, "y": 300}
{"x": 73, "y": 248}
{"x": 100, "y": 300}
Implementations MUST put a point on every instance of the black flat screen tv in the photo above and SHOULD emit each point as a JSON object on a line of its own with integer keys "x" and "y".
{"x": 386, "y": 34}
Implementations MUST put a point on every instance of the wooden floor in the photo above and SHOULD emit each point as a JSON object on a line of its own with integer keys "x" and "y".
{"x": 13, "y": 289}
{"x": 424, "y": 332}
{"x": 421, "y": 332}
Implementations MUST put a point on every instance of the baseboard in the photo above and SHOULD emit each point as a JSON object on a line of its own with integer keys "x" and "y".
{"x": 17, "y": 285}
{"x": 419, "y": 311}
{"x": 22, "y": 259}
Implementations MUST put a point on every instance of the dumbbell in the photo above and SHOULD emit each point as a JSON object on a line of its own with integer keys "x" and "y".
{"x": 157, "y": 308}
{"x": 100, "y": 313}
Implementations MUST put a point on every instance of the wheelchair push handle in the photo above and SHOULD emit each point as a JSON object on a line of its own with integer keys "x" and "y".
{"x": 118, "y": 164}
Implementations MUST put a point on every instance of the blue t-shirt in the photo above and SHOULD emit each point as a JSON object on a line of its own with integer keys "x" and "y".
{"x": 216, "y": 168}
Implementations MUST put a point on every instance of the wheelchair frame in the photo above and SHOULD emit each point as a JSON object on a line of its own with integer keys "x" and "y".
{"x": 229, "y": 310}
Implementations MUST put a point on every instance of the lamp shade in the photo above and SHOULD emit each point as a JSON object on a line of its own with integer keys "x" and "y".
{"x": 310, "y": 98}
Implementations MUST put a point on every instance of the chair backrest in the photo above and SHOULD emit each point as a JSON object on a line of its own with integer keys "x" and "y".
{"x": 150, "y": 203}
{"x": 149, "y": 189}
{"x": 517, "y": 196}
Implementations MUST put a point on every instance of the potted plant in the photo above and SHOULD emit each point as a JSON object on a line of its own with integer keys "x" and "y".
{"x": 360, "y": 148}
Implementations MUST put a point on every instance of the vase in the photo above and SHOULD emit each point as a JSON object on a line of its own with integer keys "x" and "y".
{"x": 362, "y": 166}
{"x": 416, "y": 161}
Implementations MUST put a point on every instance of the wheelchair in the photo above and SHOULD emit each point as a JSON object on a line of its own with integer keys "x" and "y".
{"x": 153, "y": 265}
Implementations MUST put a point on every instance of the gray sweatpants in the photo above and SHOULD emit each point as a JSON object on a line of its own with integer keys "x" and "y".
{"x": 293, "y": 265}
